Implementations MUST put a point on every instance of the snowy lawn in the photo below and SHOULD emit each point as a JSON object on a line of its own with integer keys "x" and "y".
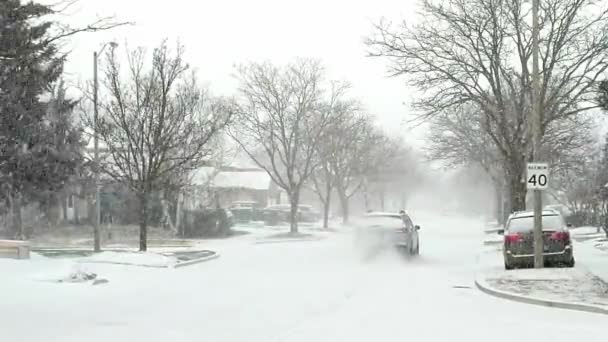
{"x": 43, "y": 269}
{"x": 587, "y": 233}
{"x": 289, "y": 237}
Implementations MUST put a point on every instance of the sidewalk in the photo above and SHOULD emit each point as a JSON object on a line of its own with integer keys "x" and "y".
{"x": 584, "y": 287}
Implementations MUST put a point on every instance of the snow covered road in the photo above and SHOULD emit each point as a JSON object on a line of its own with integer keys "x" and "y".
{"x": 310, "y": 291}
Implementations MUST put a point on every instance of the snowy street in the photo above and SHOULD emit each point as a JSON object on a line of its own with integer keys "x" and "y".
{"x": 307, "y": 291}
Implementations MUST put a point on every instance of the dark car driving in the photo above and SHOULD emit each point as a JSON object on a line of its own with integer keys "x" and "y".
{"x": 518, "y": 248}
{"x": 377, "y": 231}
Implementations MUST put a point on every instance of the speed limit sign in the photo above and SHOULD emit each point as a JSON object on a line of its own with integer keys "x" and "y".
{"x": 537, "y": 177}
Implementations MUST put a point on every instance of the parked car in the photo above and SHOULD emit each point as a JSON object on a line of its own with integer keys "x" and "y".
{"x": 378, "y": 230}
{"x": 245, "y": 211}
{"x": 274, "y": 214}
{"x": 307, "y": 213}
{"x": 518, "y": 247}
{"x": 246, "y": 204}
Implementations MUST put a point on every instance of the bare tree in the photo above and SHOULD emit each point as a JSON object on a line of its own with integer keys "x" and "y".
{"x": 457, "y": 138}
{"x": 156, "y": 123}
{"x": 323, "y": 184}
{"x": 479, "y": 51}
{"x": 282, "y": 119}
{"x": 60, "y": 31}
{"x": 338, "y": 155}
{"x": 359, "y": 154}
{"x": 395, "y": 170}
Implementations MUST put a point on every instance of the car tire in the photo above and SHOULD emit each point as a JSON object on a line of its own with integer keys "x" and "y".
{"x": 508, "y": 266}
{"x": 571, "y": 263}
{"x": 417, "y": 250}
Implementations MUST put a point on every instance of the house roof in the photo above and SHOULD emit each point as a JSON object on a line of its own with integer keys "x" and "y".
{"x": 256, "y": 180}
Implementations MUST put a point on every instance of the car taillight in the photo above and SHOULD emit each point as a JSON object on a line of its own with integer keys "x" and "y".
{"x": 513, "y": 238}
{"x": 561, "y": 236}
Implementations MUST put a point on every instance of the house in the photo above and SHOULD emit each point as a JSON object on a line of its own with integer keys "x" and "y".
{"x": 212, "y": 187}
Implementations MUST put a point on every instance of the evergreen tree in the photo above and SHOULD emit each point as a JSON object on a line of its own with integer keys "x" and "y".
{"x": 31, "y": 161}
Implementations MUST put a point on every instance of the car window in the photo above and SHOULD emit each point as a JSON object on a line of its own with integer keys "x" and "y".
{"x": 526, "y": 223}
{"x": 381, "y": 221}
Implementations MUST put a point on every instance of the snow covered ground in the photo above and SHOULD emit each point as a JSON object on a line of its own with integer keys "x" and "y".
{"x": 311, "y": 291}
{"x": 567, "y": 285}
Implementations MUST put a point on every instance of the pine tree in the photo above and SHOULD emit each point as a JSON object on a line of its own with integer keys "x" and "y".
{"x": 61, "y": 152}
{"x": 30, "y": 64}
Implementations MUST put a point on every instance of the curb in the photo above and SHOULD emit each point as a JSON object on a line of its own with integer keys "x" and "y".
{"x": 492, "y": 242}
{"x": 121, "y": 263}
{"x": 484, "y": 287}
{"x": 492, "y": 230}
{"x": 215, "y": 255}
{"x": 288, "y": 240}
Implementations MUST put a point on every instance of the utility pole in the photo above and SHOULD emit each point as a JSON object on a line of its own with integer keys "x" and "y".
{"x": 97, "y": 219}
{"x": 536, "y": 126}
{"x": 96, "y": 235}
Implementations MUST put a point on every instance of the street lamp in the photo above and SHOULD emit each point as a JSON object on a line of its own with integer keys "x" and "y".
{"x": 96, "y": 235}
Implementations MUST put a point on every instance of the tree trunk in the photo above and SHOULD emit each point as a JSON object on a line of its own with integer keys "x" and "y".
{"x": 517, "y": 194}
{"x": 326, "y": 206}
{"x": 498, "y": 205}
{"x": 54, "y": 210}
{"x": 344, "y": 204}
{"x": 17, "y": 232}
{"x": 76, "y": 209}
{"x": 178, "y": 212}
{"x": 143, "y": 221}
{"x": 294, "y": 198}
{"x": 166, "y": 216}
{"x": 64, "y": 204}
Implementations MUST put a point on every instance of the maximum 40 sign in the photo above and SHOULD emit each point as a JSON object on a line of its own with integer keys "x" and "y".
{"x": 537, "y": 177}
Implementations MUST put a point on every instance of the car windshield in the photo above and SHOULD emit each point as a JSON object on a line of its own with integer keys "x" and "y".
{"x": 526, "y": 223}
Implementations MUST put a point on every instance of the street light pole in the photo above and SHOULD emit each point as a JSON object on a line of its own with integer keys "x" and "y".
{"x": 536, "y": 126}
{"x": 96, "y": 235}
{"x": 97, "y": 219}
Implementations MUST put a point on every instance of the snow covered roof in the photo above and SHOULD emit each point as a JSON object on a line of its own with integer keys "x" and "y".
{"x": 256, "y": 180}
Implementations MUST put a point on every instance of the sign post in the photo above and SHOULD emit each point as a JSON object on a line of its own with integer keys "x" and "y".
{"x": 537, "y": 179}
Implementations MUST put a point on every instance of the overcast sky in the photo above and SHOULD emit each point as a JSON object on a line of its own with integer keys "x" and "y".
{"x": 219, "y": 34}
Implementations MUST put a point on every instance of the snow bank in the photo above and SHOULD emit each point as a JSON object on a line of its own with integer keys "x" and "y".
{"x": 586, "y": 230}
{"x": 541, "y": 274}
{"x": 145, "y": 259}
{"x": 565, "y": 285}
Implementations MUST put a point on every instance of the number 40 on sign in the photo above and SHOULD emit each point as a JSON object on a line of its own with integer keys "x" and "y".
{"x": 537, "y": 176}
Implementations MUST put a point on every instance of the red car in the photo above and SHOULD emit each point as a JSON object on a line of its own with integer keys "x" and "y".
{"x": 518, "y": 249}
